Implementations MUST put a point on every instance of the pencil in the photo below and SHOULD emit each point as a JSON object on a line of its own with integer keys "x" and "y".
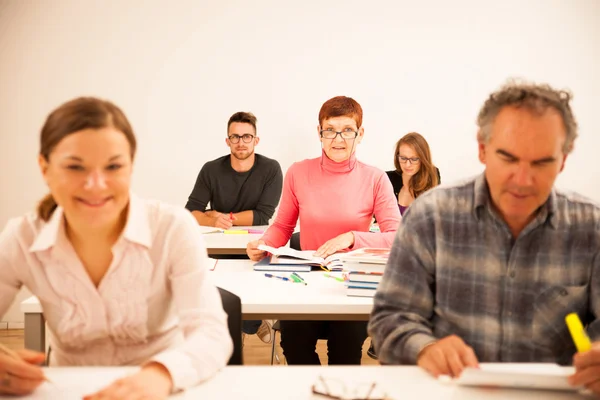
{"x": 12, "y": 354}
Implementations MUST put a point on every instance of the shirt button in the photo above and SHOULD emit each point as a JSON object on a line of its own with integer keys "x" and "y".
{"x": 564, "y": 292}
{"x": 512, "y": 274}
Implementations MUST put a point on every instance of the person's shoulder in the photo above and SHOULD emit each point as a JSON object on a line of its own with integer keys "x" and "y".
{"x": 369, "y": 170}
{"x": 266, "y": 162}
{"x": 217, "y": 163}
{"x": 23, "y": 229}
{"x": 576, "y": 208}
{"x": 458, "y": 194}
{"x": 394, "y": 175}
{"x": 304, "y": 165}
{"x": 162, "y": 215}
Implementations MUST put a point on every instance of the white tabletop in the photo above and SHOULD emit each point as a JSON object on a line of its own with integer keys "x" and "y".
{"x": 262, "y": 297}
{"x": 290, "y": 383}
{"x": 322, "y": 299}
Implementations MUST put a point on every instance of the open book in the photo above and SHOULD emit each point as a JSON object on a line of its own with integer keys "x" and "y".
{"x": 518, "y": 375}
{"x": 286, "y": 256}
{"x": 288, "y": 259}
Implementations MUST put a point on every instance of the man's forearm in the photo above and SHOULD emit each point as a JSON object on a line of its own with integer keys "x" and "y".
{"x": 244, "y": 218}
{"x": 203, "y": 219}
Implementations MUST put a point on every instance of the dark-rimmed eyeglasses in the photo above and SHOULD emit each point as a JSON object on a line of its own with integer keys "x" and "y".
{"x": 413, "y": 160}
{"x": 246, "y": 137}
{"x": 336, "y": 389}
{"x": 345, "y": 134}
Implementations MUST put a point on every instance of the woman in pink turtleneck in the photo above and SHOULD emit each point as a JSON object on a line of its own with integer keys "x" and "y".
{"x": 335, "y": 197}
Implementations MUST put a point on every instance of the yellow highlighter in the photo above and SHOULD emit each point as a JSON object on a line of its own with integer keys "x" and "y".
{"x": 236, "y": 232}
{"x": 581, "y": 339}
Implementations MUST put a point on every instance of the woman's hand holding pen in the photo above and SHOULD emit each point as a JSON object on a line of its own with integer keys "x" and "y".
{"x": 20, "y": 373}
{"x": 587, "y": 369}
{"x": 152, "y": 382}
{"x": 253, "y": 252}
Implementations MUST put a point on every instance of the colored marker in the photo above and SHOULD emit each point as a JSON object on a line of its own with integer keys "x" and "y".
{"x": 297, "y": 278}
{"x": 580, "y": 338}
{"x": 337, "y": 278}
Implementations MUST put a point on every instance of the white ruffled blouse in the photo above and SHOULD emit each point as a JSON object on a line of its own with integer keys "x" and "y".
{"x": 156, "y": 302}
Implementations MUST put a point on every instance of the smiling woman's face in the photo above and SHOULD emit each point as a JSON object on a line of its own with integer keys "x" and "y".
{"x": 89, "y": 175}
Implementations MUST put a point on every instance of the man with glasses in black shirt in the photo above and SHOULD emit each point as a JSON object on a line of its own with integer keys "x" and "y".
{"x": 243, "y": 189}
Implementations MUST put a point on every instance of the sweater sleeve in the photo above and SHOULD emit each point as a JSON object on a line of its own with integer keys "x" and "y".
{"x": 207, "y": 345}
{"x": 269, "y": 197}
{"x": 281, "y": 231}
{"x": 387, "y": 214}
{"x": 200, "y": 195}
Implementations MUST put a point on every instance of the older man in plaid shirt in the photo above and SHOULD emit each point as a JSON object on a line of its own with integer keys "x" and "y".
{"x": 487, "y": 269}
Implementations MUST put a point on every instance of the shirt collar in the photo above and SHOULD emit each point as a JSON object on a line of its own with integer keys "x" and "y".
{"x": 137, "y": 227}
{"x": 547, "y": 211}
{"x": 50, "y": 232}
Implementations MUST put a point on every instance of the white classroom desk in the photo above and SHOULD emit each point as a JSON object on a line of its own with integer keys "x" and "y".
{"x": 262, "y": 298}
{"x": 290, "y": 383}
{"x": 231, "y": 244}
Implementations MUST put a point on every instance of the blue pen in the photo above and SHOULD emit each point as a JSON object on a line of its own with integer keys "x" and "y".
{"x": 283, "y": 278}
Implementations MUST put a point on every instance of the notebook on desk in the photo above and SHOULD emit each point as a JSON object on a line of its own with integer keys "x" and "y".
{"x": 517, "y": 375}
{"x": 294, "y": 266}
{"x": 288, "y": 257}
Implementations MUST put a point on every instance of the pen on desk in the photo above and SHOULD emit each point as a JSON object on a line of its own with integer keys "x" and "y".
{"x": 297, "y": 278}
{"x": 580, "y": 338}
{"x": 283, "y": 278}
{"x": 337, "y": 278}
{"x": 12, "y": 354}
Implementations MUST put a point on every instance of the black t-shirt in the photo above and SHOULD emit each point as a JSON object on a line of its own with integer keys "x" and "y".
{"x": 227, "y": 190}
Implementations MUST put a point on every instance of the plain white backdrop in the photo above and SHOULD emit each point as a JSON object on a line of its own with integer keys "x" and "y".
{"x": 179, "y": 69}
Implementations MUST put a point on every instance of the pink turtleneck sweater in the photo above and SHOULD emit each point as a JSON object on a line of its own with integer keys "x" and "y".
{"x": 332, "y": 198}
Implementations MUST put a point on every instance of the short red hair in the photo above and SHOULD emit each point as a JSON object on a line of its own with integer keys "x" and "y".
{"x": 341, "y": 106}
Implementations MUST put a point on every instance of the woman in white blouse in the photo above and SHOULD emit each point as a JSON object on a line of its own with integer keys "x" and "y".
{"x": 121, "y": 280}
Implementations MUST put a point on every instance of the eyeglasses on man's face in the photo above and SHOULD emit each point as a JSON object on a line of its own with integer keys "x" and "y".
{"x": 246, "y": 137}
{"x": 346, "y": 133}
{"x": 413, "y": 160}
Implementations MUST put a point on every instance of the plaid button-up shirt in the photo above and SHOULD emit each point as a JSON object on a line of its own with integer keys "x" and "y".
{"x": 455, "y": 268}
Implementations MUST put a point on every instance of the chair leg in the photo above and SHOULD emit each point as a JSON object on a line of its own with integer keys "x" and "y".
{"x": 273, "y": 347}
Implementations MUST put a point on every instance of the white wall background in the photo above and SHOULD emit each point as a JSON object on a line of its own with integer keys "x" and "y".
{"x": 179, "y": 69}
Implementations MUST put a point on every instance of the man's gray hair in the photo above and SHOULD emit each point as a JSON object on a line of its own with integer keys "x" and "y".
{"x": 536, "y": 98}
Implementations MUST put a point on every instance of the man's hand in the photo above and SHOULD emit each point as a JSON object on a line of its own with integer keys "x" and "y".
{"x": 448, "y": 356}
{"x": 220, "y": 220}
{"x": 587, "y": 369}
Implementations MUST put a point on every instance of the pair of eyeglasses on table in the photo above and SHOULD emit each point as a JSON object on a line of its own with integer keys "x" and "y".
{"x": 336, "y": 389}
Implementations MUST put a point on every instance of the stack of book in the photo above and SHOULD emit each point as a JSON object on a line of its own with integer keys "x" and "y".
{"x": 362, "y": 283}
{"x": 364, "y": 270}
